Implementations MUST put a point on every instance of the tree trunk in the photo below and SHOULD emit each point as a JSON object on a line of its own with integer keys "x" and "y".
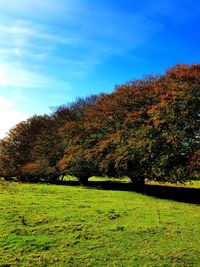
{"x": 83, "y": 180}
{"x": 138, "y": 183}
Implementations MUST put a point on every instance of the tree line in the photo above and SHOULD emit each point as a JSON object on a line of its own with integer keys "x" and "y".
{"x": 144, "y": 129}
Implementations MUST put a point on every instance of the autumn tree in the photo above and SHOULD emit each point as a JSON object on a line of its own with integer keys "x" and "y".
{"x": 74, "y": 135}
{"x": 145, "y": 129}
{"x": 16, "y": 148}
{"x": 176, "y": 124}
{"x": 31, "y": 150}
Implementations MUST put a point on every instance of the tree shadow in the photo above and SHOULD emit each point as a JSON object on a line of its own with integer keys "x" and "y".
{"x": 180, "y": 194}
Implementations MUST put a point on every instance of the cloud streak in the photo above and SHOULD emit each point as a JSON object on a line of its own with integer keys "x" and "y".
{"x": 28, "y": 47}
{"x": 110, "y": 35}
{"x": 9, "y": 115}
{"x": 16, "y": 76}
{"x": 47, "y": 45}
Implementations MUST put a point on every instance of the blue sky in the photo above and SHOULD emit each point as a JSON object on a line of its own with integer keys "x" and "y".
{"x": 56, "y": 50}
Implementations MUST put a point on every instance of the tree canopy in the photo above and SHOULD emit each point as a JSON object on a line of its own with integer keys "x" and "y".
{"x": 145, "y": 129}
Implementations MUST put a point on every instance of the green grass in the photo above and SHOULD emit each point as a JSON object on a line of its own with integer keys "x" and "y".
{"x": 57, "y": 225}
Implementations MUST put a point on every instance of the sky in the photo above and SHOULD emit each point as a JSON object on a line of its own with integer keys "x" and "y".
{"x": 53, "y": 51}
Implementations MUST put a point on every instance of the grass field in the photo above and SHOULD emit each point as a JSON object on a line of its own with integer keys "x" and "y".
{"x": 58, "y": 225}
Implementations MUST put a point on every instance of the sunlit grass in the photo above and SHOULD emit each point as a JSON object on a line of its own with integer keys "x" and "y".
{"x": 54, "y": 225}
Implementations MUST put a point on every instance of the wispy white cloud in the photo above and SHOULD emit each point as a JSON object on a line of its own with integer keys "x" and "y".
{"x": 25, "y": 39}
{"x": 83, "y": 35}
{"x": 41, "y": 10}
{"x": 5, "y": 103}
{"x": 9, "y": 115}
{"x": 21, "y": 30}
{"x": 91, "y": 37}
{"x": 16, "y": 76}
{"x": 26, "y": 48}
{"x": 46, "y": 44}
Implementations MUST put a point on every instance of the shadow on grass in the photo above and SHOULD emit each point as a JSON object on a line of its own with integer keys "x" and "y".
{"x": 181, "y": 194}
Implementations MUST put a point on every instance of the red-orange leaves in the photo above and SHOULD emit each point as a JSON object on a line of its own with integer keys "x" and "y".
{"x": 185, "y": 72}
{"x": 145, "y": 129}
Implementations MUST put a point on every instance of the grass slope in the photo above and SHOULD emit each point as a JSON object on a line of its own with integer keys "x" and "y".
{"x": 51, "y": 225}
